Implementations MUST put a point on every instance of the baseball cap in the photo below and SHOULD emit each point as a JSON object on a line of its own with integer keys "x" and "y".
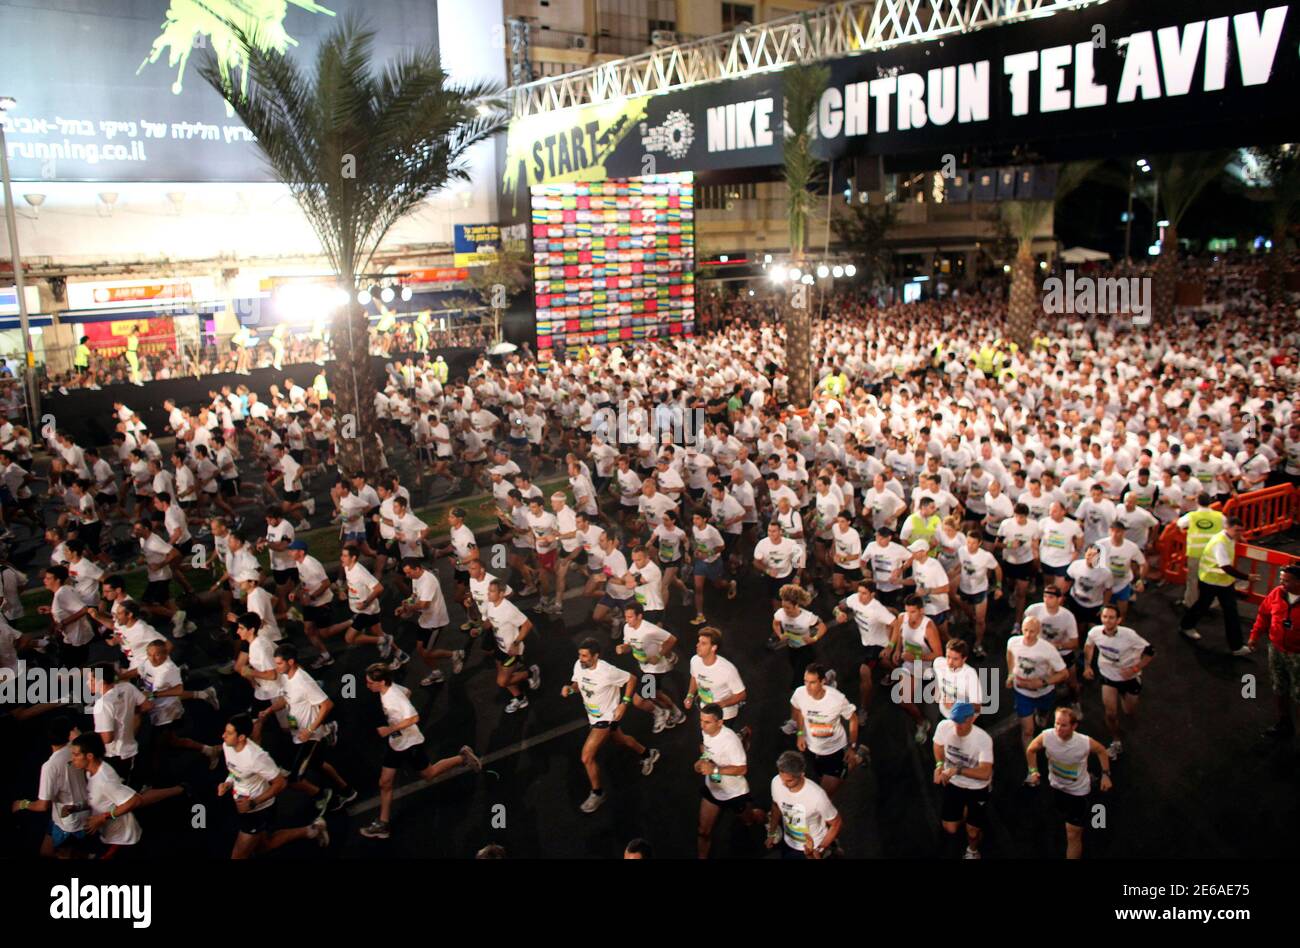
{"x": 962, "y": 712}
{"x": 298, "y": 545}
{"x": 249, "y": 575}
{"x": 918, "y": 545}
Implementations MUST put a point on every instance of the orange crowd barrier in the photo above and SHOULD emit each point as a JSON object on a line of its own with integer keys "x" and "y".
{"x": 1265, "y": 512}
{"x": 1264, "y": 567}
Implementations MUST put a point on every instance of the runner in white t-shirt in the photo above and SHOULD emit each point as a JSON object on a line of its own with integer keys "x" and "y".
{"x": 723, "y": 764}
{"x": 802, "y": 812}
{"x": 405, "y": 746}
{"x": 652, "y": 646}
{"x": 875, "y": 624}
{"x": 963, "y": 766}
{"x": 1034, "y": 669}
{"x": 1067, "y": 773}
{"x": 1122, "y": 655}
{"x": 509, "y": 628}
{"x": 606, "y": 694}
{"x": 820, "y": 712}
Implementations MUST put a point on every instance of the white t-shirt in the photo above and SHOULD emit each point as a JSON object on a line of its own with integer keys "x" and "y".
{"x": 781, "y": 558}
{"x": 975, "y": 568}
{"x": 1033, "y": 661}
{"x": 874, "y": 620}
{"x": 1056, "y": 548}
{"x": 931, "y": 575}
{"x": 62, "y": 783}
{"x": 157, "y": 678}
{"x": 1119, "y": 559}
{"x": 114, "y": 713}
{"x": 883, "y": 560}
{"x": 1117, "y": 653}
{"x": 726, "y": 750}
{"x": 647, "y": 642}
{"x": 964, "y": 752}
{"x": 106, "y": 790}
{"x": 1018, "y": 540}
{"x": 648, "y": 590}
{"x": 953, "y": 685}
{"x": 824, "y": 719}
{"x": 804, "y": 813}
{"x": 1067, "y": 763}
{"x": 251, "y": 772}
{"x": 602, "y": 689}
{"x": 1058, "y": 628}
{"x": 796, "y": 629}
{"x": 396, "y": 702}
{"x": 310, "y": 575}
{"x": 1089, "y": 582}
{"x": 426, "y": 588}
{"x": 304, "y": 698}
{"x": 361, "y": 583}
{"x": 717, "y": 682}
{"x": 506, "y": 620}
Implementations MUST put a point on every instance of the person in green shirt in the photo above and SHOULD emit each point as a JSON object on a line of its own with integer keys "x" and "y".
{"x": 81, "y": 362}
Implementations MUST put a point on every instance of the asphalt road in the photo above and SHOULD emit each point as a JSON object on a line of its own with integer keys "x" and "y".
{"x": 1195, "y": 780}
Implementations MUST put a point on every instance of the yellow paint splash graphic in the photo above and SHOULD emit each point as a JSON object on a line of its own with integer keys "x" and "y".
{"x": 199, "y": 24}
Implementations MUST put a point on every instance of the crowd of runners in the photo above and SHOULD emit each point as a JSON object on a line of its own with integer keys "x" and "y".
{"x": 947, "y": 499}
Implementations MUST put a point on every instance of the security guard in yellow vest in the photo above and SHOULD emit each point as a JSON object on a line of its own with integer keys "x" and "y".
{"x": 1200, "y": 524}
{"x": 1217, "y": 576}
{"x": 836, "y": 385}
{"x": 922, "y": 525}
{"x": 440, "y": 371}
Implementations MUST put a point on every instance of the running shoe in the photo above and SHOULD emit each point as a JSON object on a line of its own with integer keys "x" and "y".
{"x": 343, "y": 799}
{"x": 648, "y": 762}
{"x": 386, "y": 645}
{"x": 323, "y": 660}
{"x": 731, "y": 589}
{"x": 971, "y": 854}
{"x": 922, "y": 732}
{"x": 831, "y": 680}
{"x": 676, "y": 717}
{"x": 471, "y": 759}
{"x": 534, "y": 677}
{"x": 1243, "y": 652}
{"x": 320, "y": 832}
{"x": 1191, "y": 634}
{"x": 699, "y": 620}
{"x": 528, "y": 590}
{"x": 516, "y": 704}
{"x": 1114, "y": 750}
{"x": 790, "y": 728}
{"x": 593, "y": 802}
{"x": 378, "y": 829}
{"x": 458, "y": 661}
{"x": 323, "y": 802}
{"x": 210, "y": 696}
{"x": 330, "y": 733}
{"x": 434, "y": 677}
{"x": 661, "y": 720}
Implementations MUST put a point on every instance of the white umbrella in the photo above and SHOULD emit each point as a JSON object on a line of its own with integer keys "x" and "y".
{"x": 502, "y": 348}
{"x": 1083, "y": 255}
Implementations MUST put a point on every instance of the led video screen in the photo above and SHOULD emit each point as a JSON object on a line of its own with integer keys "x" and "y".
{"x": 613, "y": 261}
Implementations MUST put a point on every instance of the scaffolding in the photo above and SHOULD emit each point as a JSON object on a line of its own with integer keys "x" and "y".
{"x": 843, "y": 29}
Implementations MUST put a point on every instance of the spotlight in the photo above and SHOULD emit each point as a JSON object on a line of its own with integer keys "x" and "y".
{"x": 837, "y": 271}
{"x": 823, "y": 271}
{"x": 751, "y": 292}
{"x": 779, "y": 274}
{"x": 341, "y": 297}
{"x": 406, "y": 294}
{"x": 363, "y": 297}
{"x": 795, "y": 273}
{"x": 387, "y": 294}
{"x": 767, "y": 258}
{"x": 850, "y": 269}
{"x": 723, "y": 258}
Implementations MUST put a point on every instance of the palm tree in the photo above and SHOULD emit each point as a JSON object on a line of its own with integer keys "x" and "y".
{"x": 1024, "y": 219}
{"x": 1180, "y": 179}
{"x": 802, "y": 89}
{"x": 1281, "y": 166}
{"x": 359, "y": 146}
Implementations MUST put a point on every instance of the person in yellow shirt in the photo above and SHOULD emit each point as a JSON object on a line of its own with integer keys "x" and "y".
{"x": 1218, "y": 578}
{"x": 133, "y": 356}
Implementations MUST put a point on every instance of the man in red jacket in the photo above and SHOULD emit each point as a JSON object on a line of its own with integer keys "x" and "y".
{"x": 1279, "y": 618}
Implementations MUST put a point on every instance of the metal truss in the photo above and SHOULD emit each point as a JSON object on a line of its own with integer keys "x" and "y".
{"x": 842, "y": 29}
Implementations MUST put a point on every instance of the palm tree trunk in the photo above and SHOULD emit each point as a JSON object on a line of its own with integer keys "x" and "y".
{"x": 354, "y": 391}
{"x": 1166, "y": 279}
{"x": 798, "y": 342}
{"x": 1277, "y": 262}
{"x": 1025, "y": 305}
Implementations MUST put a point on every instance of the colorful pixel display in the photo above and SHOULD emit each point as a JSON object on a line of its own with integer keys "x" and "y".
{"x": 613, "y": 261}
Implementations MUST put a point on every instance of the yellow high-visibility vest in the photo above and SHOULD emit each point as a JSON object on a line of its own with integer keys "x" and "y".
{"x": 1201, "y": 525}
{"x": 1210, "y": 572}
{"x": 923, "y": 529}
